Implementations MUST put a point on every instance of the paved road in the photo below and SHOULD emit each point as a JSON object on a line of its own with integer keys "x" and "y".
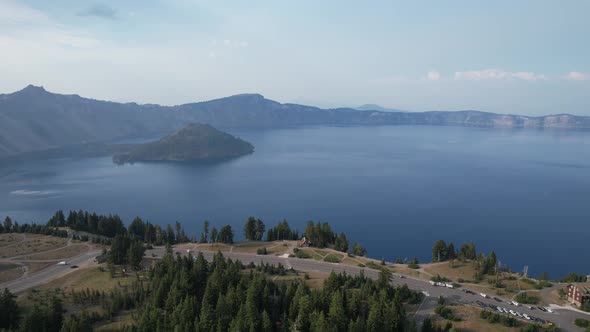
{"x": 561, "y": 318}
{"x": 48, "y": 274}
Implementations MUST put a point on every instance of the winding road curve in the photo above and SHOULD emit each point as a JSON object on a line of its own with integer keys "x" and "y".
{"x": 51, "y": 273}
{"x": 562, "y": 318}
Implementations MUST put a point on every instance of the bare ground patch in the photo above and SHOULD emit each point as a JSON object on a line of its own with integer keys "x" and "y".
{"x": 32, "y": 246}
{"x": 61, "y": 253}
{"x": 9, "y": 272}
{"x": 10, "y": 239}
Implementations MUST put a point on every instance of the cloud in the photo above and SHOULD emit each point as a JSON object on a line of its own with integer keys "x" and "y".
{"x": 26, "y": 27}
{"x": 497, "y": 74}
{"x": 100, "y": 11}
{"x": 576, "y": 76}
{"x": 433, "y": 75}
{"x": 235, "y": 43}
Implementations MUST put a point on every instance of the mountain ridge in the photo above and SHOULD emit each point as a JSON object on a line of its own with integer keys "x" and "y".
{"x": 34, "y": 119}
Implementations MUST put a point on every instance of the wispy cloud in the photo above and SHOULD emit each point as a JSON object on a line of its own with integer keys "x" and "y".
{"x": 576, "y": 76}
{"x": 101, "y": 11}
{"x": 497, "y": 74}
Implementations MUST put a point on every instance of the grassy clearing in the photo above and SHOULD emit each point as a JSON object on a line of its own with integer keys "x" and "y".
{"x": 333, "y": 258}
{"x": 9, "y": 272}
{"x": 453, "y": 270}
{"x": 34, "y": 245}
{"x": 65, "y": 252}
{"x": 11, "y": 238}
{"x": 98, "y": 278}
{"x": 470, "y": 321}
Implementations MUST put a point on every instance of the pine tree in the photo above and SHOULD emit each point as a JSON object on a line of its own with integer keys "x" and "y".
{"x": 336, "y": 314}
{"x": 250, "y": 229}
{"x": 214, "y": 235}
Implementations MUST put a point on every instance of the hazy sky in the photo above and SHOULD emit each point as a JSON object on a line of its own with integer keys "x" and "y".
{"x": 527, "y": 57}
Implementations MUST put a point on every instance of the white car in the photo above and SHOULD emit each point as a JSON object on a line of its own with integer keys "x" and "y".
{"x": 516, "y": 303}
{"x": 449, "y": 286}
{"x": 433, "y": 283}
{"x": 549, "y": 310}
{"x": 62, "y": 263}
{"x": 526, "y": 316}
{"x": 483, "y": 295}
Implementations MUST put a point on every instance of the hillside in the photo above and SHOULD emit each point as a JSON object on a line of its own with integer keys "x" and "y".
{"x": 33, "y": 119}
{"x": 195, "y": 142}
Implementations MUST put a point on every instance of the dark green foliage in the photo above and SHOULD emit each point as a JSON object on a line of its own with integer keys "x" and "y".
{"x": 332, "y": 259}
{"x": 226, "y": 235}
{"x": 10, "y": 226}
{"x": 341, "y": 243}
{"x": 438, "y": 278}
{"x": 301, "y": 254}
{"x": 108, "y": 226}
{"x": 126, "y": 249}
{"x": 137, "y": 228}
{"x": 214, "y": 234}
{"x": 9, "y": 311}
{"x": 254, "y": 229}
{"x": 357, "y": 250}
{"x": 439, "y": 251}
{"x": 467, "y": 251}
{"x": 582, "y": 322}
{"x": 188, "y": 294}
{"x": 414, "y": 264}
{"x": 194, "y": 142}
{"x": 77, "y": 323}
{"x": 205, "y": 233}
{"x": 446, "y": 313}
{"x": 526, "y": 298}
{"x": 573, "y": 277}
{"x": 47, "y": 318}
{"x": 495, "y": 318}
{"x": 282, "y": 231}
{"x": 320, "y": 235}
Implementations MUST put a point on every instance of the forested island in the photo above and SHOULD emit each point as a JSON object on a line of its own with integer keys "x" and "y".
{"x": 195, "y": 142}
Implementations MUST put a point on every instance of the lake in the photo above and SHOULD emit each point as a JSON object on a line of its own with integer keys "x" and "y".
{"x": 395, "y": 189}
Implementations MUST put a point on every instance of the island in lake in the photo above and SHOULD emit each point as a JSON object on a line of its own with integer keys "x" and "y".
{"x": 195, "y": 142}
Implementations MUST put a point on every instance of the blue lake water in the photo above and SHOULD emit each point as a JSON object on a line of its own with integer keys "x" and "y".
{"x": 525, "y": 194}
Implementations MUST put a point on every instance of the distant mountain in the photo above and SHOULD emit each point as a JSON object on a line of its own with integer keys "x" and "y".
{"x": 195, "y": 142}
{"x": 375, "y": 107}
{"x": 33, "y": 119}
